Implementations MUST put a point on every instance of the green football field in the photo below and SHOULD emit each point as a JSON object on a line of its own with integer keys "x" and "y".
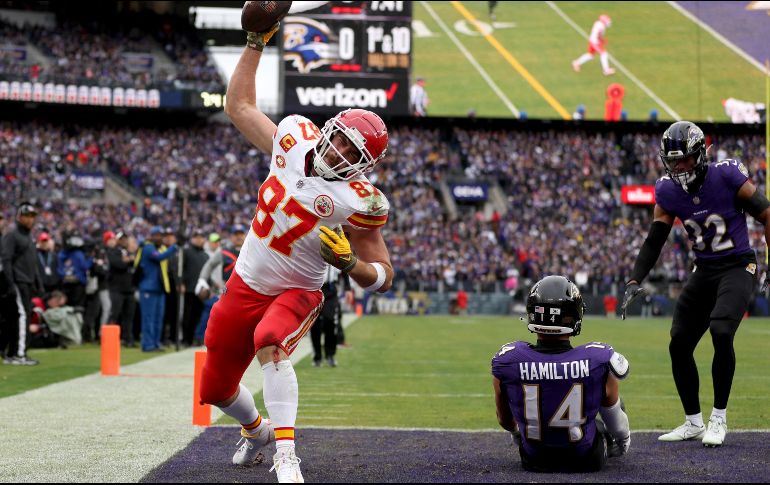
{"x": 666, "y": 62}
{"x": 433, "y": 372}
{"x": 59, "y": 365}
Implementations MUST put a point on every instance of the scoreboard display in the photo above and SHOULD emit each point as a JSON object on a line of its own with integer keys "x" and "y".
{"x": 348, "y": 55}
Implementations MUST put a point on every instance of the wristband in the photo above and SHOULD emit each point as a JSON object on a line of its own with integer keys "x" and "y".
{"x": 380, "y": 278}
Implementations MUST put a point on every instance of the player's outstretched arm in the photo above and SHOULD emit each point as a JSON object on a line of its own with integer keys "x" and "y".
{"x": 241, "y": 100}
{"x": 648, "y": 256}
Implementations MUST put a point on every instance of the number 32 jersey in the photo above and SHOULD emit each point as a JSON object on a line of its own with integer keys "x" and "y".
{"x": 282, "y": 249}
{"x": 713, "y": 221}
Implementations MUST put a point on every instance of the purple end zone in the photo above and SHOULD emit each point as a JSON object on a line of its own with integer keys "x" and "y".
{"x": 435, "y": 456}
{"x": 748, "y": 29}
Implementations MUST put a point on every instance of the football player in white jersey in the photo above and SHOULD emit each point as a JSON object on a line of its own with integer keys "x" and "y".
{"x": 597, "y": 43}
{"x": 315, "y": 208}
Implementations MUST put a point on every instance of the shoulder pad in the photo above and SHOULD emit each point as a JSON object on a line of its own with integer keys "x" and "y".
{"x": 371, "y": 207}
{"x": 504, "y": 350}
{"x": 619, "y": 365}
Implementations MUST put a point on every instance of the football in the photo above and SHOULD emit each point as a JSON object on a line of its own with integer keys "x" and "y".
{"x": 260, "y": 16}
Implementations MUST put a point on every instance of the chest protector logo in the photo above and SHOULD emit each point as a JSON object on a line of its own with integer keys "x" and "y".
{"x": 324, "y": 206}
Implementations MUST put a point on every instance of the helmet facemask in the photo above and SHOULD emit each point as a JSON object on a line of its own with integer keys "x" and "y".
{"x": 344, "y": 169}
{"x": 681, "y": 141}
{"x": 687, "y": 180}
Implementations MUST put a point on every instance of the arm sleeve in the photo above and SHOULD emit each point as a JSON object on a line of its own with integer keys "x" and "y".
{"x": 214, "y": 261}
{"x": 616, "y": 421}
{"x": 650, "y": 251}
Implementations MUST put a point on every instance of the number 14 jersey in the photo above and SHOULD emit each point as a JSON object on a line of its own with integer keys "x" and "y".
{"x": 282, "y": 248}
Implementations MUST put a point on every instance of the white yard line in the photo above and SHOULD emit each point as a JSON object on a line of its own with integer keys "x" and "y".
{"x": 718, "y": 36}
{"x": 107, "y": 429}
{"x": 507, "y": 102}
{"x": 617, "y": 63}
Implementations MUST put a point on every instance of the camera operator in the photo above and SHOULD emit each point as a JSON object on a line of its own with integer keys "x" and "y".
{"x": 121, "y": 262}
{"x": 73, "y": 268}
{"x": 95, "y": 281}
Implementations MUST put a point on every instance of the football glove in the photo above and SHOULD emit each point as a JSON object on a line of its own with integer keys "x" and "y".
{"x": 633, "y": 290}
{"x": 619, "y": 447}
{"x": 766, "y": 284}
{"x": 335, "y": 249}
{"x": 258, "y": 40}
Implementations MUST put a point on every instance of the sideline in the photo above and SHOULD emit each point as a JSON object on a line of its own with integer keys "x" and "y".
{"x": 107, "y": 429}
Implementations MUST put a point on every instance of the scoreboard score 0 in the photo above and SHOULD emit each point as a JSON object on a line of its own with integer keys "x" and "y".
{"x": 348, "y": 55}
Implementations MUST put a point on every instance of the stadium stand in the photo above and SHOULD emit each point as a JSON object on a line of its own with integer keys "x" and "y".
{"x": 564, "y": 185}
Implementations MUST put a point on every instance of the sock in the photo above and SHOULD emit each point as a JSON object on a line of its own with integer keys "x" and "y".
{"x": 722, "y": 413}
{"x": 281, "y": 393}
{"x": 583, "y": 59}
{"x": 243, "y": 410}
{"x": 604, "y": 58}
{"x": 695, "y": 419}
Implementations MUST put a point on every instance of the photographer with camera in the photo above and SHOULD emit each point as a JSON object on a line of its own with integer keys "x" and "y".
{"x": 121, "y": 287}
{"x": 74, "y": 266}
{"x": 96, "y": 283}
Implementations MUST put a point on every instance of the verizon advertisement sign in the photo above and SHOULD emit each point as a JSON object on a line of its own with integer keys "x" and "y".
{"x": 316, "y": 94}
{"x": 638, "y": 194}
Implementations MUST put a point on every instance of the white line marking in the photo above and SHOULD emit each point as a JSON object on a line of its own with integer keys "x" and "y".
{"x": 480, "y": 430}
{"x": 395, "y": 394}
{"x": 472, "y": 60}
{"x": 620, "y": 66}
{"x": 127, "y": 426}
{"x": 718, "y": 36}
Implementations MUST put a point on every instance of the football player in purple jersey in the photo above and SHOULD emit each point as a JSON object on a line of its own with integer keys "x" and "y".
{"x": 562, "y": 404}
{"x": 711, "y": 200}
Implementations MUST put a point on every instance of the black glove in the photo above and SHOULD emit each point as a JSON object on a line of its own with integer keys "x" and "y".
{"x": 766, "y": 284}
{"x": 633, "y": 290}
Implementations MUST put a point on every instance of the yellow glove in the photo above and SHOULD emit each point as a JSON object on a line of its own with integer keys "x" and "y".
{"x": 258, "y": 40}
{"x": 335, "y": 249}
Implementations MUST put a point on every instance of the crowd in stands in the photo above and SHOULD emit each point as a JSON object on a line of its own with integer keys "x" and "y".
{"x": 95, "y": 53}
{"x": 564, "y": 210}
{"x": 563, "y": 213}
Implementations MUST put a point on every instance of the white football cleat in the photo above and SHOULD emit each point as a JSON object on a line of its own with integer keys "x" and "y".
{"x": 609, "y": 72}
{"x": 687, "y": 431}
{"x": 286, "y": 466}
{"x": 715, "y": 432}
{"x": 248, "y": 447}
{"x": 575, "y": 66}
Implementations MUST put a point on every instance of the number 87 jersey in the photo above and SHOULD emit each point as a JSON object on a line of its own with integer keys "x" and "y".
{"x": 282, "y": 248}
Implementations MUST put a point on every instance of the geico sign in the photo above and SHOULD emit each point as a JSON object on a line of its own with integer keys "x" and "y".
{"x": 341, "y": 96}
{"x": 468, "y": 191}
